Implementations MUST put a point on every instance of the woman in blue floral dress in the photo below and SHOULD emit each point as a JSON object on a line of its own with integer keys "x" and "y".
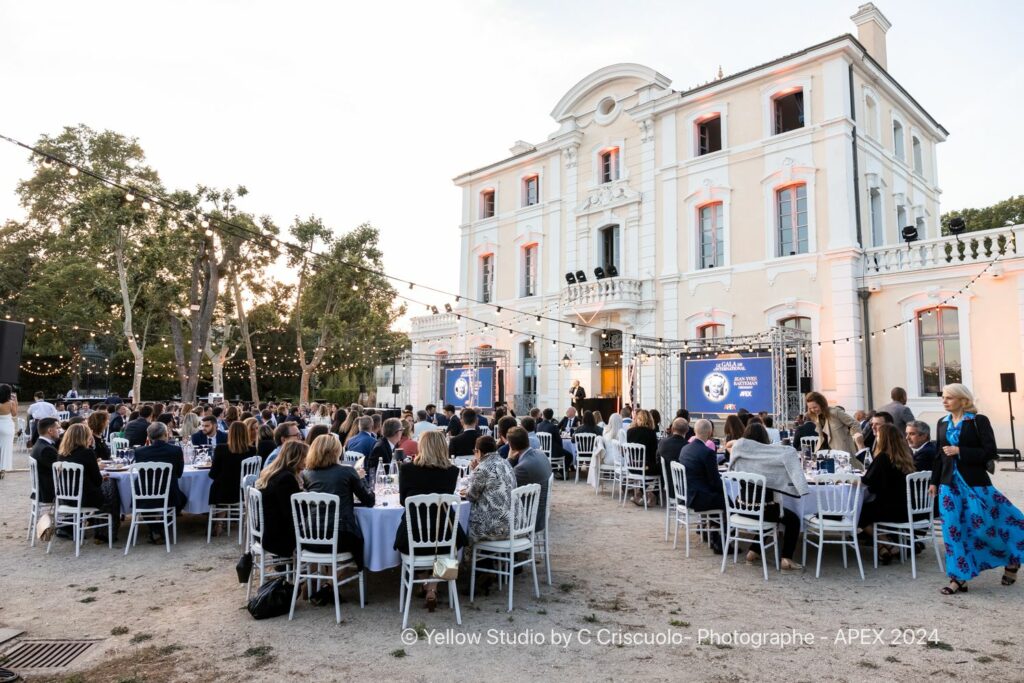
{"x": 981, "y": 529}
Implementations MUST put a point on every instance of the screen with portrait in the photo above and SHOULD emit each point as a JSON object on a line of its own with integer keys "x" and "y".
{"x": 724, "y": 385}
{"x": 469, "y": 387}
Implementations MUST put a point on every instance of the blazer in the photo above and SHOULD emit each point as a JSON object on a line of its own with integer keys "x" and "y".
{"x": 464, "y": 442}
{"x": 532, "y": 467}
{"x": 278, "y": 528}
{"x": 226, "y": 472}
{"x": 840, "y": 429}
{"x": 564, "y": 426}
{"x": 345, "y": 483}
{"x": 92, "y": 496}
{"x": 116, "y": 424}
{"x": 703, "y": 482}
{"x": 901, "y": 414}
{"x": 161, "y": 451}
{"x": 649, "y": 438}
{"x": 264, "y": 448}
{"x": 549, "y": 427}
{"x": 361, "y": 442}
{"x": 382, "y": 453}
{"x": 200, "y": 439}
{"x": 135, "y": 431}
{"x": 668, "y": 451}
{"x": 925, "y": 458}
{"x": 977, "y": 447}
{"x": 888, "y": 484}
{"x": 45, "y": 454}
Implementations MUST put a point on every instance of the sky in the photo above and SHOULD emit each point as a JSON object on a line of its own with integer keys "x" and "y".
{"x": 364, "y": 112}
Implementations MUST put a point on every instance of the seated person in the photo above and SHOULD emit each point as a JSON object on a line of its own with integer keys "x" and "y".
{"x": 363, "y": 440}
{"x": 886, "y": 481}
{"x": 277, "y": 483}
{"x": 209, "y": 434}
{"x": 465, "y": 441}
{"x": 226, "y": 470}
{"x": 44, "y": 452}
{"x": 642, "y": 431}
{"x": 161, "y": 451}
{"x": 703, "y": 482}
{"x": 670, "y": 448}
{"x": 921, "y": 446}
{"x": 530, "y": 466}
{"x": 383, "y": 451}
{"x": 530, "y": 425}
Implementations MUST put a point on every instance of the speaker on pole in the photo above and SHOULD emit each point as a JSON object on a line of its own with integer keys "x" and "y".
{"x": 1008, "y": 380}
{"x": 12, "y": 339}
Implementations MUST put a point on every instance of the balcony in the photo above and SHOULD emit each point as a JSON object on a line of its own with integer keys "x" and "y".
{"x": 433, "y": 325}
{"x": 972, "y": 247}
{"x": 609, "y": 294}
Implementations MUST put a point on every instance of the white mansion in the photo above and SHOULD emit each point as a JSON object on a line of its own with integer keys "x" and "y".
{"x": 777, "y": 196}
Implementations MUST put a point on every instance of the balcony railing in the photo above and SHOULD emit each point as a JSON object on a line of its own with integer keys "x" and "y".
{"x": 972, "y": 247}
{"x": 426, "y": 324}
{"x": 609, "y": 294}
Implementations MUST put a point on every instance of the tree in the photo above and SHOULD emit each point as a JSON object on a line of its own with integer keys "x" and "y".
{"x": 999, "y": 215}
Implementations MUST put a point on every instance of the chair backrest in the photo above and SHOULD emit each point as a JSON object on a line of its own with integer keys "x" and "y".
{"x": 525, "y": 501}
{"x": 837, "y": 494}
{"x": 808, "y": 442}
{"x": 67, "y": 483}
{"x": 584, "y": 443}
{"x": 635, "y": 457}
{"x": 315, "y": 516}
{"x": 919, "y": 500}
{"x": 118, "y": 444}
{"x": 678, "y": 471}
{"x": 250, "y": 465}
{"x": 747, "y": 495}
{"x": 545, "y": 442}
{"x": 151, "y": 481}
{"x": 248, "y": 481}
{"x": 462, "y": 460}
{"x": 33, "y": 474}
{"x": 432, "y": 521}
{"x": 350, "y": 457}
{"x": 255, "y": 514}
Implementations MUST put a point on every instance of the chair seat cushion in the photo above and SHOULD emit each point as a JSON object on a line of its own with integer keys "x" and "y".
{"x": 324, "y": 558}
{"x": 518, "y": 545}
{"x": 70, "y": 510}
{"x": 829, "y": 524}
{"x": 421, "y": 561}
{"x": 741, "y": 522}
{"x": 709, "y": 513}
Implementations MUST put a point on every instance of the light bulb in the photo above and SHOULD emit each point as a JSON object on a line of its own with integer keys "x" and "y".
{"x": 72, "y": 171}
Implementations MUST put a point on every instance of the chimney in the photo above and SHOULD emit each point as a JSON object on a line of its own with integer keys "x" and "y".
{"x": 871, "y": 28}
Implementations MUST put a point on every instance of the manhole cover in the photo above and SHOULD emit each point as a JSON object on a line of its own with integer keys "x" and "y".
{"x": 44, "y": 655}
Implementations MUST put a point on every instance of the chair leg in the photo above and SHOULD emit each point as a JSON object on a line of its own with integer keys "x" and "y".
{"x": 362, "y": 590}
{"x": 209, "y": 522}
{"x": 845, "y": 566}
{"x": 686, "y": 541}
{"x": 913, "y": 555}
{"x": 775, "y": 547}
{"x": 167, "y": 530}
{"x": 874, "y": 544}
{"x": 472, "y": 576}
{"x": 821, "y": 550}
{"x": 725, "y": 550}
{"x": 511, "y": 572}
{"x": 764, "y": 555}
{"x": 856, "y": 551}
{"x": 337, "y": 598}
{"x": 533, "y": 566}
{"x": 401, "y": 588}
{"x": 408, "y": 597}
{"x": 453, "y": 593}
{"x": 295, "y": 593}
{"x": 803, "y": 558}
{"x": 547, "y": 557}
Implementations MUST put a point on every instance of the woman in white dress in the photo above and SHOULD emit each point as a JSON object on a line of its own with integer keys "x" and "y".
{"x": 614, "y": 434}
{"x": 8, "y": 413}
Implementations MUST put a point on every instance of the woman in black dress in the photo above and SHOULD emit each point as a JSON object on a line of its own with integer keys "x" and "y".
{"x": 97, "y": 492}
{"x": 226, "y": 470}
{"x": 277, "y": 483}
{"x": 886, "y": 481}
{"x": 642, "y": 431}
{"x": 97, "y": 423}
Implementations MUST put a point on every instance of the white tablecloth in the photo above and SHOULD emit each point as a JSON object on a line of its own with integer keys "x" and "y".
{"x": 379, "y": 525}
{"x": 195, "y": 484}
{"x": 569, "y": 446}
{"x": 805, "y": 505}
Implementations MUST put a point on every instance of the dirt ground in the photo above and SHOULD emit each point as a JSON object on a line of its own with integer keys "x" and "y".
{"x": 623, "y": 604}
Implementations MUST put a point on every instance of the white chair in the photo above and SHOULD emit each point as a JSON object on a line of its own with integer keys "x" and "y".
{"x": 432, "y": 523}
{"x": 251, "y": 467}
{"x": 23, "y": 432}
{"x": 523, "y": 521}
{"x": 920, "y": 526}
{"x": 634, "y": 475}
{"x": 263, "y": 562}
{"x": 317, "y": 517}
{"x": 151, "y": 486}
{"x": 744, "y": 517}
{"x": 351, "y": 458}
{"x": 68, "y": 510}
{"x": 584, "y": 451}
{"x": 232, "y": 512}
{"x": 545, "y": 446}
{"x": 36, "y": 508}
{"x": 63, "y": 415}
{"x": 704, "y": 519}
{"x": 248, "y": 481}
{"x": 610, "y": 471}
{"x": 838, "y": 495}
{"x": 462, "y": 461}
{"x": 808, "y": 442}
{"x": 542, "y": 538}
{"x": 117, "y": 444}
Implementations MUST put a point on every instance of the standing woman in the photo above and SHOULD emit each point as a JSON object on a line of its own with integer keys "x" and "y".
{"x": 8, "y": 413}
{"x": 981, "y": 529}
{"x": 835, "y": 429}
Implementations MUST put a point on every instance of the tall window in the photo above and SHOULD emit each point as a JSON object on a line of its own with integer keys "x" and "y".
{"x": 797, "y": 322}
{"x": 531, "y": 190}
{"x": 712, "y": 246}
{"x": 709, "y": 135}
{"x": 791, "y": 203}
{"x": 610, "y": 248}
{"x": 921, "y": 227}
{"x": 939, "y": 345}
{"x": 870, "y": 116}
{"x": 529, "y": 369}
{"x": 487, "y": 203}
{"x": 529, "y": 287}
{"x": 918, "y": 156}
{"x": 897, "y": 140}
{"x": 712, "y": 331}
{"x": 609, "y": 164}
{"x": 877, "y": 231}
{"x": 901, "y": 218}
{"x": 789, "y": 111}
{"x": 487, "y": 278}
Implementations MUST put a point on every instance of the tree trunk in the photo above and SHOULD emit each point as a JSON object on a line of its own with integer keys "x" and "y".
{"x": 133, "y": 345}
{"x": 243, "y": 323}
{"x": 202, "y": 303}
{"x": 218, "y": 359}
{"x": 76, "y": 369}
{"x": 309, "y": 368}
{"x": 178, "y": 342}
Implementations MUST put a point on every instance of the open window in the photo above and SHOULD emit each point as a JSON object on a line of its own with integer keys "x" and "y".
{"x": 487, "y": 206}
{"x": 709, "y": 134}
{"x": 531, "y": 190}
{"x": 788, "y": 110}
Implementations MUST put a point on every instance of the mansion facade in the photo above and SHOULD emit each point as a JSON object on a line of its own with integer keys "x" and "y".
{"x": 782, "y": 195}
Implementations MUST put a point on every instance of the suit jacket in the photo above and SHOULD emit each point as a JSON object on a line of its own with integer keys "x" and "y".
{"x": 564, "y": 426}
{"x": 925, "y": 458}
{"x": 549, "y": 427}
{"x": 888, "y": 484}
{"x": 135, "y": 431}
{"x": 977, "y": 447}
{"x": 703, "y": 482}
{"x": 669, "y": 449}
{"x": 901, "y": 414}
{"x": 382, "y": 452}
{"x": 45, "y": 454}
{"x": 532, "y": 467}
{"x": 161, "y": 451}
{"x": 200, "y": 439}
{"x": 578, "y": 394}
{"x": 361, "y": 442}
{"x": 116, "y": 424}
{"x": 464, "y": 443}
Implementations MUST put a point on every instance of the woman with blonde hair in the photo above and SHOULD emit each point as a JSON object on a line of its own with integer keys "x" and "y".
{"x": 325, "y": 474}
{"x": 188, "y": 423}
{"x": 642, "y": 431}
{"x": 252, "y": 426}
{"x": 835, "y": 429}
{"x": 277, "y": 483}
{"x": 981, "y": 529}
{"x": 97, "y": 492}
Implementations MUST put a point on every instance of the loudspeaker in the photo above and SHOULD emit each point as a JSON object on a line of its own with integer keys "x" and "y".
{"x": 12, "y": 338}
{"x": 805, "y": 385}
{"x": 395, "y": 388}
{"x": 501, "y": 386}
{"x": 1008, "y": 380}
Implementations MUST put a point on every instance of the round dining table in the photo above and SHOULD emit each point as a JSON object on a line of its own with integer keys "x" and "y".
{"x": 194, "y": 483}
{"x": 379, "y": 525}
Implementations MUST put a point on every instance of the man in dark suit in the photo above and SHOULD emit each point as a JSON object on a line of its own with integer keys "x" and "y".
{"x": 465, "y": 442}
{"x": 208, "y": 434}
{"x": 362, "y": 441}
{"x": 530, "y": 466}
{"x": 570, "y": 422}
{"x": 44, "y": 452}
{"x": 670, "y": 447}
{"x": 135, "y": 431}
{"x": 384, "y": 449}
{"x": 549, "y": 426}
{"x": 117, "y": 420}
{"x": 576, "y": 394}
{"x": 433, "y": 416}
{"x": 921, "y": 445}
{"x": 703, "y": 482}
{"x": 161, "y": 451}
{"x": 453, "y": 423}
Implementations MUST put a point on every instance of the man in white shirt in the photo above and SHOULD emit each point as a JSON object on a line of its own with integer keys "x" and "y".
{"x": 38, "y": 410}
{"x": 423, "y": 424}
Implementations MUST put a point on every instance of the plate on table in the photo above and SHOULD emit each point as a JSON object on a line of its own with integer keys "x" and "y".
{"x": 202, "y": 467}
{"x": 116, "y": 469}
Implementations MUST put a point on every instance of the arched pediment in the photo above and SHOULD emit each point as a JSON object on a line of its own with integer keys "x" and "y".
{"x": 648, "y": 76}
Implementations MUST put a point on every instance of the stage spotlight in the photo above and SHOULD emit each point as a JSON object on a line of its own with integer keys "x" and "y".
{"x": 433, "y": 309}
{"x": 447, "y": 308}
{"x": 613, "y": 271}
{"x": 599, "y": 273}
{"x": 910, "y": 234}
{"x": 570, "y": 278}
{"x": 581, "y": 277}
{"x": 957, "y": 226}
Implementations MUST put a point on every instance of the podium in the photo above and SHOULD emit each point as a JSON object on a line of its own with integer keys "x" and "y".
{"x": 606, "y": 406}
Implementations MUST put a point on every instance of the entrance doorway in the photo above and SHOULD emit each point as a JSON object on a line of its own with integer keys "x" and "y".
{"x": 611, "y": 365}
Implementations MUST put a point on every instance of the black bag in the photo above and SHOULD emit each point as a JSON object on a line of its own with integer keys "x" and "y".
{"x": 273, "y": 599}
{"x": 244, "y": 568}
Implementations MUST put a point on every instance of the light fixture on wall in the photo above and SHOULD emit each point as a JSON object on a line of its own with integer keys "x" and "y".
{"x": 566, "y": 361}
